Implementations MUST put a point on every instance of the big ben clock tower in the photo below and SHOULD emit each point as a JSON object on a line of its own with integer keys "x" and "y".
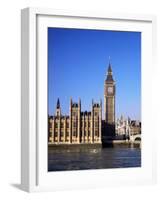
{"x": 109, "y": 102}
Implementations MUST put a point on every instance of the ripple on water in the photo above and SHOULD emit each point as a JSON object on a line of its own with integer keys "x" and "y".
{"x": 96, "y": 158}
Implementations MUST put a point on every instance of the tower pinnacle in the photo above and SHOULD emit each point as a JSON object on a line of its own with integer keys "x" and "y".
{"x": 58, "y": 109}
{"x": 109, "y": 77}
{"x": 109, "y": 69}
{"x": 109, "y": 66}
{"x": 58, "y": 104}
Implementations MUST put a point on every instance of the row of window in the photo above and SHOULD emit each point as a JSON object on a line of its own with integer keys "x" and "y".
{"x": 86, "y": 133}
{"x": 75, "y": 113}
{"x": 75, "y": 116}
{"x": 75, "y": 124}
{"x": 61, "y": 137}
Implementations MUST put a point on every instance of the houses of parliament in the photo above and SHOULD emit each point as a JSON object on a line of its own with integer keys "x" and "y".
{"x": 86, "y": 127}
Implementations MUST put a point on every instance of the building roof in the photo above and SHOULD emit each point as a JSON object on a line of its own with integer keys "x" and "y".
{"x": 109, "y": 68}
{"x": 109, "y": 77}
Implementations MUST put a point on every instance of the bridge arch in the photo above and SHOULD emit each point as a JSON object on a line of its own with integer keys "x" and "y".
{"x": 135, "y": 138}
{"x": 138, "y": 138}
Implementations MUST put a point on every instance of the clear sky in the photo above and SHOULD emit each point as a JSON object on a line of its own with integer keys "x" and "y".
{"x": 77, "y": 63}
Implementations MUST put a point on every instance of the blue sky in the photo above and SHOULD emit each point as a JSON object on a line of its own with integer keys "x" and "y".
{"x": 77, "y": 63}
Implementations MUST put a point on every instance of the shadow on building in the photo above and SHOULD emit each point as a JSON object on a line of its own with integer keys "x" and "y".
{"x": 108, "y": 133}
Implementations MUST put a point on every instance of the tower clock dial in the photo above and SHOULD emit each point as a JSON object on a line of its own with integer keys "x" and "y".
{"x": 110, "y": 90}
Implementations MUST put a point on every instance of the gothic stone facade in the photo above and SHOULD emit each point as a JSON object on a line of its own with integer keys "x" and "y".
{"x": 78, "y": 127}
{"x": 85, "y": 127}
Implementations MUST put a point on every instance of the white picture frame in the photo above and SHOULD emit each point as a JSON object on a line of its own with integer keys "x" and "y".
{"x": 33, "y": 85}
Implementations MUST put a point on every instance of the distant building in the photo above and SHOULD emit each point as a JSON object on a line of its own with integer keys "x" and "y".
{"x": 135, "y": 127}
{"x": 127, "y": 127}
{"x": 85, "y": 127}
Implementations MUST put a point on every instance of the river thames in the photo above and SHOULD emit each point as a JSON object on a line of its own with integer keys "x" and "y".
{"x": 78, "y": 158}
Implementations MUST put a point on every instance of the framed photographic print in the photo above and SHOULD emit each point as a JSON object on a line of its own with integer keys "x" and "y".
{"x": 86, "y": 99}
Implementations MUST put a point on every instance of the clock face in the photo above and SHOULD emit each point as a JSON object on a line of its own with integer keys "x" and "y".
{"x": 110, "y": 90}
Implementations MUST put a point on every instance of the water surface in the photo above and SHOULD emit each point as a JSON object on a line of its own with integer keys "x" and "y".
{"x": 78, "y": 158}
